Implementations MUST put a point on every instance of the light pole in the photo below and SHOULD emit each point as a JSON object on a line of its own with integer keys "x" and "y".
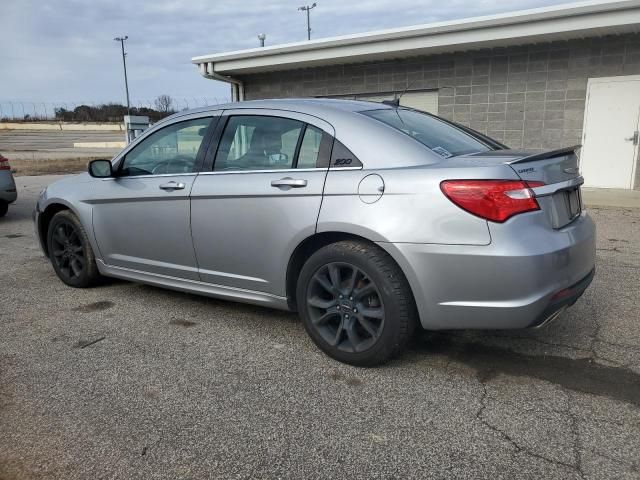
{"x": 262, "y": 37}
{"x": 124, "y": 64}
{"x": 307, "y": 9}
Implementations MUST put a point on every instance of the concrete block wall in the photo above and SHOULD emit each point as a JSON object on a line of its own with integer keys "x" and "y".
{"x": 530, "y": 96}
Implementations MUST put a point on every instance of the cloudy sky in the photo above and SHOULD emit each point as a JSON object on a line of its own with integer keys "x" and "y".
{"x": 62, "y": 50}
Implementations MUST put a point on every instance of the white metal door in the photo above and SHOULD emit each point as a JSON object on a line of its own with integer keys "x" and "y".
{"x": 610, "y": 138}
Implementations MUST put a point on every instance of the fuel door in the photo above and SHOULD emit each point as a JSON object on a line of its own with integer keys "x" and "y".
{"x": 371, "y": 188}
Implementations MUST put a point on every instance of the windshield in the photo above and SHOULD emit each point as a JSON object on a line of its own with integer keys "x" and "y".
{"x": 443, "y": 138}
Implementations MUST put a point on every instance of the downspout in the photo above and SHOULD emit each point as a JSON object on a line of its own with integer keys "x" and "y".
{"x": 237, "y": 86}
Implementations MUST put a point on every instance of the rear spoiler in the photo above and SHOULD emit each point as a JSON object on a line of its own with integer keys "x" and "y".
{"x": 547, "y": 155}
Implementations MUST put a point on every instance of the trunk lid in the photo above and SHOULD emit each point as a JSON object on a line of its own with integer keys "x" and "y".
{"x": 560, "y": 196}
{"x": 552, "y": 167}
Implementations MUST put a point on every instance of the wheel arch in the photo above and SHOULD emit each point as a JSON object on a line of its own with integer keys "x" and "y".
{"x": 44, "y": 220}
{"x": 312, "y": 244}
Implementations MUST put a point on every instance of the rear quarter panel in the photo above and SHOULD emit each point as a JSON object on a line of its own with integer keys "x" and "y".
{"x": 412, "y": 208}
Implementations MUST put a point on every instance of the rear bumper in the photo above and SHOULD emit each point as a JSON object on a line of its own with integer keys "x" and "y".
{"x": 515, "y": 282}
{"x": 563, "y": 299}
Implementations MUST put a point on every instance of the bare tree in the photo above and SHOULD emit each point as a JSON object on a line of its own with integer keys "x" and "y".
{"x": 164, "y": 103}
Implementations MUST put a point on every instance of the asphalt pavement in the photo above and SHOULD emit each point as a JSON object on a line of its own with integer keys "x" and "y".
{"x": 131, "y": 381}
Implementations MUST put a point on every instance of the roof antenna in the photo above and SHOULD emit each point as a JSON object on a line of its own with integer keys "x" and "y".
{"x": 409, "y": 85}
{"x": 396, "y": 101}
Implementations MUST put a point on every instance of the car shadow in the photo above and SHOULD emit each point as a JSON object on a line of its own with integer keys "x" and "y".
{"x": 489, "y": 361}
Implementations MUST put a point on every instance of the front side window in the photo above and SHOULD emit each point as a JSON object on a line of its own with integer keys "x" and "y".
{"x": 443, "y": 138}
{"x": 171, "y": 150}
{"x": 252, "y": 142}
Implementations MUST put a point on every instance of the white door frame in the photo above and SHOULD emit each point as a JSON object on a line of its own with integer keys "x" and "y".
{"x": 620, "y": 78}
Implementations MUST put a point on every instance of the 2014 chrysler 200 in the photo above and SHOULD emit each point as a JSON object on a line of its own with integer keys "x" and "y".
{"x": 366, "y": 218}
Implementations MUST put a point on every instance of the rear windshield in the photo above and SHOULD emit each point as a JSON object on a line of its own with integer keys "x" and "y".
{"x": 443, "y": 138}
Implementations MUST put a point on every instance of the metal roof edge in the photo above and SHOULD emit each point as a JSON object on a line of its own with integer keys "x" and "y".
{"x": 438, "y": 28}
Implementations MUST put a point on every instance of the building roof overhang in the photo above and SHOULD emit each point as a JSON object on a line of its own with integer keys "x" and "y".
{"x": 563, "y": 22}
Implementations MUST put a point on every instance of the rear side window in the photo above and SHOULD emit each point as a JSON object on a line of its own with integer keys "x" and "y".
{"x": 254, "y": 142}
{"x": 443, "y": 138}
{"x": 310, "y": 147}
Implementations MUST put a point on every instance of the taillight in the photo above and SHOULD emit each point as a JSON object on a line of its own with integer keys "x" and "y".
{"x": 495, "y": 200}
{"x": 4, "y": 163}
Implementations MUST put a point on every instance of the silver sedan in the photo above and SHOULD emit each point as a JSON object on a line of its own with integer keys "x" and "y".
{"x": 368, "y": 219}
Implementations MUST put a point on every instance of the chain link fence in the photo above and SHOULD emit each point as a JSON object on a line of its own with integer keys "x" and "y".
{"x": 43, "y": 111}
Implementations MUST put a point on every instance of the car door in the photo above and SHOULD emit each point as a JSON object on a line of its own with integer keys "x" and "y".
{"x": 141, "y": 217}
{"x": 260, "y": 199}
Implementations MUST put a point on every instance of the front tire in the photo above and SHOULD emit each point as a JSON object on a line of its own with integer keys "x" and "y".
{"x": 70, "y": 251}
{"x": 355, "y": 303}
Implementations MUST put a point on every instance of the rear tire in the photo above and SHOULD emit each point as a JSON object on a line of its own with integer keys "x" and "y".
{"x": 4, "y": 208}
{"x": 356, "y": 303}
{"x": 70, "y": 251}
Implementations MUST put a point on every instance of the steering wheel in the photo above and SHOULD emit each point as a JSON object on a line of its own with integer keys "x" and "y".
{"x": 180, "y": 165}
{"x": 281, "y": 157}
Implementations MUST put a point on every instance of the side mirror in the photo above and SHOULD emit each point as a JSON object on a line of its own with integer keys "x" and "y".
{"x": 100, "y": 169}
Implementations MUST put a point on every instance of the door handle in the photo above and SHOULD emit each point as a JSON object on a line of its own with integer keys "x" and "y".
{"x": 633, "y": 138}
{"x": 289, "y": 182}
{"x": 172, "y": 186}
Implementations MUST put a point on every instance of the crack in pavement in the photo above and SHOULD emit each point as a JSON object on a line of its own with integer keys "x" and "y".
{"x": 595, "y": 339}
{"x": 517, "y": 446}
{"x": 595, "y": 335}
{"x": 577, "y": 442}
{"x": 578, "y": 446}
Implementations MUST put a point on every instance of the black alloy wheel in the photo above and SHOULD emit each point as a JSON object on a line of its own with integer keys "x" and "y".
{"x": 67, "y": 250}
{"x": 70, "y": 251}
{"x": 345, "y": 307}
{"x": 355, "y": 303}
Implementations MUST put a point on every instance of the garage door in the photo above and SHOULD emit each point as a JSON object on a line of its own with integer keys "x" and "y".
{"x": 425, "y": 101}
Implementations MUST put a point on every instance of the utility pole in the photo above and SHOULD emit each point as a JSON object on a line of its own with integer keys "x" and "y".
{"x": 262, "y": 37}
{"x": 307, "y": 9}
{"x": 124, "y": 64}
